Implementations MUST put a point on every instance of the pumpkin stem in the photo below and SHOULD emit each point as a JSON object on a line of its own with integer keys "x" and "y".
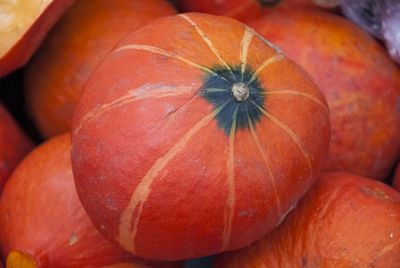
{"x": 17, "y": 259}
{"x": 240, "y": 91}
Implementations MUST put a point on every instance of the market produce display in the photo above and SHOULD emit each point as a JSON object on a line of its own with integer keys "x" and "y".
{"x": 199, "y": 134}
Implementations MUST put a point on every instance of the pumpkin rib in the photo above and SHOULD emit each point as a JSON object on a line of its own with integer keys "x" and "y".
{"x": 291, "y": 134}
{"x": 230, "y": 201}
{"x": 207, "y": 41}
{"x": 132, "y": 96}
{"x": 267, "y": 164}
{"x": 306, "y": 95}
{"x": 245, "y": 43}
{"x": 267, "y": 62}
{"x": 163, "y": 52}
{"x": 126, "y": 237}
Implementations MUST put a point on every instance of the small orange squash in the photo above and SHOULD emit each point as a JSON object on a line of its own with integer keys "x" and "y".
{"x": 188, "y": 142}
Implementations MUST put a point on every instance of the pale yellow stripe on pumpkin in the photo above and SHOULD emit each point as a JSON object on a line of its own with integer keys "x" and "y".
{"x": 230, "y": 201}
{"x": 163, "y": 52}
{"x": 140, "y": 93}
{"x": 293, "y": 92}
{"x": 276, "y": 57}
{"x": 291, "y": 134}
{"x": 128, "y": 226}
{"x": 244, "y": 44}
{"x": 207, "y": 40}
{"x": 267, "y": 164}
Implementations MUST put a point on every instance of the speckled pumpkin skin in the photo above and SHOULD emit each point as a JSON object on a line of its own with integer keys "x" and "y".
{"x": 169, "y": 164}
{"x": 343, "y": 221}
{"x": 55, "y": 77}
{"x": 360, "y": 81}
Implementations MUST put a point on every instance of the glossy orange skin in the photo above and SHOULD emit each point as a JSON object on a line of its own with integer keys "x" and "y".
{"x": 343, "y": 221}
{"x": 56, "y": 75}
{"x": 14, "y": 145}
{"x": 146, "y": 143}
{"x": 41, "y": 214}
{"x": 360, "y": 81}
{"x": 243, "y": 10}
{"x": 27, "y": 45}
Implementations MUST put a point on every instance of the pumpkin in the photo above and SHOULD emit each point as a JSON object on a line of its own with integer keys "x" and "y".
{"x": 243, "y": 10}
{"x": 55, "y": 77}
{"x": 343, "y": 221}
{"x": 359, "y": 79}
{"x": 24, "y": 24}
{"x": 187, "y": 142}
{"x": 14, "y": 145}
{"x": 42, "y": 222}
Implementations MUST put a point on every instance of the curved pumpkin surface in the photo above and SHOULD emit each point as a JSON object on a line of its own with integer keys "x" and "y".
{"x": 357, "y": 76}
{"x": 344, "y": 220}
{"x": 186, "y": 144}
{"x": 55, "y": 77}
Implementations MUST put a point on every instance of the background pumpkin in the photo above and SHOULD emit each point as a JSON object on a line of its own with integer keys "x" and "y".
{"x": 243, "y": 10}
{"x": 343, "y": 221}
{"x": 55, "y": 77}
{"x": 14, "y": 145}
{"x": 359, "y": 79}
{"x": 42, "y": 222}
{"x": 187, "y": 142}
{"x": 396, "y": 178}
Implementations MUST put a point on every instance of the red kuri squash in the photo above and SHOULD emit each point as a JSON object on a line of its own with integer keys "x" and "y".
{"x": 195, "y": 136}
{"x": 343, "y": 221}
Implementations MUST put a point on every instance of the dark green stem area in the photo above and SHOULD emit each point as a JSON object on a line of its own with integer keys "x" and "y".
{"x": 233, "y": 112}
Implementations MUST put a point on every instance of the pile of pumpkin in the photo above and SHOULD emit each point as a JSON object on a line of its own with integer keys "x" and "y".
{"x": 266, "y": 136}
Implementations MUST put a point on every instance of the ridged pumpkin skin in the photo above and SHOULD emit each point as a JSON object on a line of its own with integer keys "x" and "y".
{"x": 14, "y": 145}
{"x": 55, "y": 77}
{"x": 243, "y": 10}
{"x": 343, "y": 221}
{"x": 360, "y": 81}
{"x": 42, "y": 221}
{"x": 174, "y": 158}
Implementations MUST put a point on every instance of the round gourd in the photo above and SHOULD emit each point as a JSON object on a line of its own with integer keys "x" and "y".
{"x": 344, "y": 220}
{"x": 194, "y": 136}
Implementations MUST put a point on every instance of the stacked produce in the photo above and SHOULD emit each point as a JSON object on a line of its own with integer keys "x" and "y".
{"x": 218, "y": 133}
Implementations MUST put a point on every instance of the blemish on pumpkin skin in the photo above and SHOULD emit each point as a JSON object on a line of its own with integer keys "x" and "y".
{"x": 303, "y": 261}
{"x": 375, "y": 193}
{"x": 73, "y": 239}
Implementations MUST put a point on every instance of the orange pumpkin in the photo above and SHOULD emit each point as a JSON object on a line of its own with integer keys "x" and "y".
{"x": 24, "y": 24}
{"x": 243, "y": 10}
{"x": 42, "y": 221}
{"x": 359, "y": 79}
{"x": 343, "y": 221}
{"x": 187, "y": 143}
{"x": 55, "y": 77}
{"x": 14, "y": 145}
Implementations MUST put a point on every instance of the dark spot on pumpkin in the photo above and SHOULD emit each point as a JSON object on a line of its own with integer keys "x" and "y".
{"x": 269, "y": 3}
{"x": 303, "y": 261}
{"x": 238, "y": 97}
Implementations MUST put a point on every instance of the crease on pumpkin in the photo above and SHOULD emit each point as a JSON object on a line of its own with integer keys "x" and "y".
{"x": 267, "y": 164}
{"x": 129, "y": 221}
{"x": 140, "y": 93}
{"x": 306, "y": 95}
{"x": 247, "y": 37}
{"x": 230, "y": 201}
{"x": 207, "y": 41}
{"x": 291, "y": 134}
